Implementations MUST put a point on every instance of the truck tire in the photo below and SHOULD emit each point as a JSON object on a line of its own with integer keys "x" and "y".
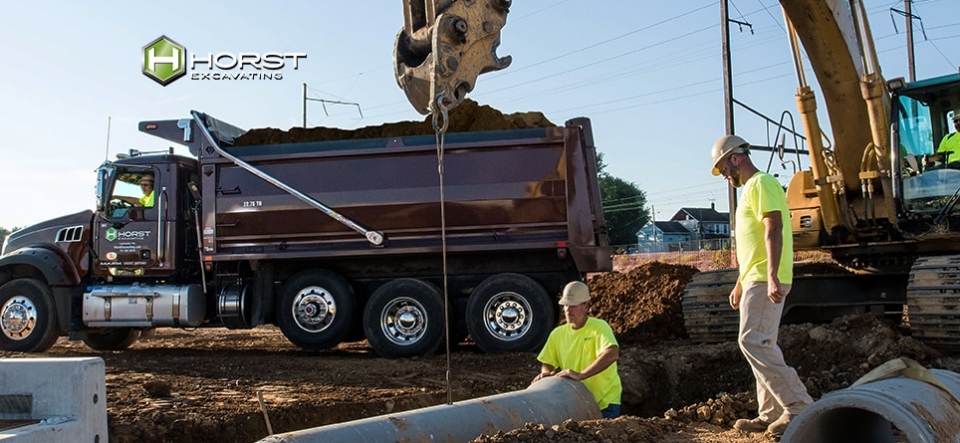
{"x": 28, "y": 318}
{"x": 404, "y": 318}
{"x": 111, "y": 339}
{"x": 509, "y": 313}
{"x": 316, "y": 309}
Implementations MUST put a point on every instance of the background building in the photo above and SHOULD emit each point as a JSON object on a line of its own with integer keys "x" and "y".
{"x": 690, "y": 229}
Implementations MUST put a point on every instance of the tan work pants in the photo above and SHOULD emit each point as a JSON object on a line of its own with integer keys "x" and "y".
{"x": 779, "y": 389}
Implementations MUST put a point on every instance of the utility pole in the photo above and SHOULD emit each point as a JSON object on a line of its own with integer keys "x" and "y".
{"x": 728, "y": 100}
{"x": 653, "y": 215}
{"x": 909, "y": 17}
{"x": 907, "y": 14}
{"x": 324, "y": 103}
{"x": 727, "y": 76}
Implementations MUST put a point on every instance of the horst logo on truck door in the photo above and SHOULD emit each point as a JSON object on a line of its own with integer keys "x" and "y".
{"x": 126, "y": 247}
{"x": 114, "y": 234}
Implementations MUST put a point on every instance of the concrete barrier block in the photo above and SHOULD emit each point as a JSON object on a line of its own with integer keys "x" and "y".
{"x": 63, "y": 399}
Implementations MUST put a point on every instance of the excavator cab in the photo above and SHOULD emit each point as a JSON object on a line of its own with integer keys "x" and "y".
{"x": 921, "y": 110}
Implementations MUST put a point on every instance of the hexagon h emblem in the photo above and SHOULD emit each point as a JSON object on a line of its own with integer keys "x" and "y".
{"x": 111, "y": 234}
{"x": 164, "y": 60}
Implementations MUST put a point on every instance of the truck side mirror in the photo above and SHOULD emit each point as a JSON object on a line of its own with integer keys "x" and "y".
{"x": 103, "y": 174}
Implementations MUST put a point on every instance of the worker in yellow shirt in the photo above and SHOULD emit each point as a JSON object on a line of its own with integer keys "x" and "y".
{"x": 764, "y": 245}
{"x": 146, "y": 185}
{"x": 584, "y": 349}
{"x": 951, "y": 142}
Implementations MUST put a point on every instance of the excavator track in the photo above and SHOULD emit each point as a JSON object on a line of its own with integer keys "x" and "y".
{"x": 707, "y": 314}
{"x": 933, "y": 301}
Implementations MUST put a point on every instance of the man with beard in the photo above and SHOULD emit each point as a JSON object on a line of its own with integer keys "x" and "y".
{"x": 764, "y": 247}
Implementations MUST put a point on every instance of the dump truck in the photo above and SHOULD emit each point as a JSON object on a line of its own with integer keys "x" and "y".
{"x": 878, "y": 197}
{"x": 330, "y": 241}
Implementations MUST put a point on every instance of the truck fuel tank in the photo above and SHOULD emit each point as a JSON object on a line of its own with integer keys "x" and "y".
{"x": 144, "y": 306}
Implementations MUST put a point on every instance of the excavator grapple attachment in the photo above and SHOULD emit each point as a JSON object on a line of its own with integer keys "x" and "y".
{"x": 444, "y": 46}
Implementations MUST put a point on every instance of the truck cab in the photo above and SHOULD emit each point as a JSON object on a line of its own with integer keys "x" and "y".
{"x": 134, "y": 239}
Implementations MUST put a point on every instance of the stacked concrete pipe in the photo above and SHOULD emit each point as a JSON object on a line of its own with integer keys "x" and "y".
{"x": 923, "y": 406}
{"x": 550, "y": 402}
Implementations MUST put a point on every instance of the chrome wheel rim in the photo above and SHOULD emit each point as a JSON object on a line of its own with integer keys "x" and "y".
{"x": 18, "y": 318}
{"x": 507, "y": 316}
{"x": 403, "y": 321}
{"x": 314, "y": 309}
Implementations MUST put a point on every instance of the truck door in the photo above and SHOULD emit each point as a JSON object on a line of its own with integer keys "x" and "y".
{"x": 133, "y": 228}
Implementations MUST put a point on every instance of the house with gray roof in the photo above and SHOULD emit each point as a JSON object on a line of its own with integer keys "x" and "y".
{"x": 689, "y": 229}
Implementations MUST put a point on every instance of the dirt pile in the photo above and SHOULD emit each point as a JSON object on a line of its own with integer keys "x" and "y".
{"x": 644, "y": 303}
{"x": 833, "y": 356}
{"x": 469, "y": 116}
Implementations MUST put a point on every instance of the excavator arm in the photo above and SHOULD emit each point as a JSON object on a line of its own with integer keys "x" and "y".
{"x": 444, "y": 46}
{"x": 827, "y": 31}
{"x": 856, "y": 166}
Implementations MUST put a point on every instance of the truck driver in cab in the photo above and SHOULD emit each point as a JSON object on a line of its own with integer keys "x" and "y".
{"x": 146, "y": 185}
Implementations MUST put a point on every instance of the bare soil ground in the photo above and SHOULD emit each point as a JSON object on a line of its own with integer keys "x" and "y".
{"x": 202, "y": 385}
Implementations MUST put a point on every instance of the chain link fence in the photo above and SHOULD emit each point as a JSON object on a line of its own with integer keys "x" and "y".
{"x": 704, "y": 260}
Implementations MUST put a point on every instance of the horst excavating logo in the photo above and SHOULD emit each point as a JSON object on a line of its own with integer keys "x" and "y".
{"x": 164, "y": 60}
{"x": 113, "y": 234}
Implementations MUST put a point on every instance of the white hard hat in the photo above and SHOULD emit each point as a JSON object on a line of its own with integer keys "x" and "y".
{"x": 728, "y": 144}
{"x": 575, "y": 293}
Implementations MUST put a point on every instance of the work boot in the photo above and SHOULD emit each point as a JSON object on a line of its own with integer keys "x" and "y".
{"x": 753, "y": 425}
{"x": 779, "y": 426}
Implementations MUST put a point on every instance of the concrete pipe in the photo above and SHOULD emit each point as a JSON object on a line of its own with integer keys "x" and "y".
{"x": 923, "y": 409}
{"x": 549, "y": 401}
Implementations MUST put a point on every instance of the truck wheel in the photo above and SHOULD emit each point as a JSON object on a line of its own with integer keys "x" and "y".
{"x": 111, "y": 339}
{"x": 404, "y": 318}
{"x": 28, "y": 318}
{"x": 316, "y": 309}
{"x": 509, "y": 313}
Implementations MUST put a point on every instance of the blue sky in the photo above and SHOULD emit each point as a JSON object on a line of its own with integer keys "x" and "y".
{"x": 647, "y": 73}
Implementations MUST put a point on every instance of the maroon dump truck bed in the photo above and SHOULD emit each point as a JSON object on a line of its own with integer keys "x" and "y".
{"x": 518, "y": 190}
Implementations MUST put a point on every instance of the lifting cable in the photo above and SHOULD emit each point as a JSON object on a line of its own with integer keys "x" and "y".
{"x": 440, "y": 129}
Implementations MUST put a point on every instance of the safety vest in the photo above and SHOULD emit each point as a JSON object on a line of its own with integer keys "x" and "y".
{"x": 951, "y": 142}
{"x": 147, "y": 200}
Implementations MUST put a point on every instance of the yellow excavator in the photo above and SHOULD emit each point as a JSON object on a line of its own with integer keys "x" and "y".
{"x": 878, "y": 196}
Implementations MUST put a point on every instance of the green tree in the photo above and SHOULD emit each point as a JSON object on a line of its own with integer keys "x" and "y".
{"x": 624, "y": 206}
{"x": 4, "y": 232}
